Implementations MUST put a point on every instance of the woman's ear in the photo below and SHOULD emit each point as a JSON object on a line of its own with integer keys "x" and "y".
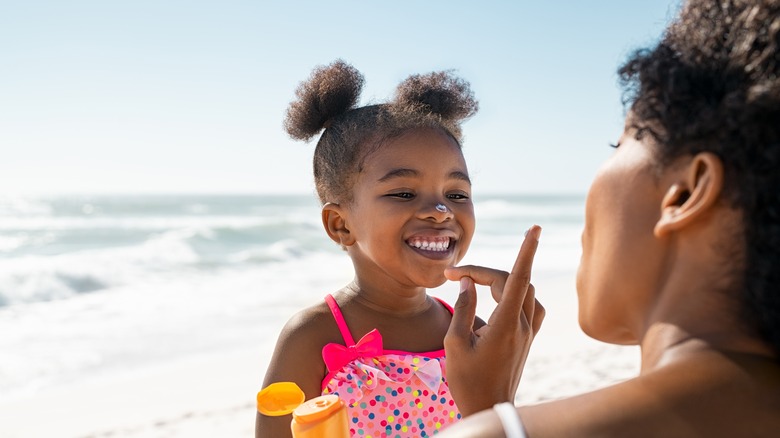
{"x": 335, "y": 222}
{"x": 698, "y": 189}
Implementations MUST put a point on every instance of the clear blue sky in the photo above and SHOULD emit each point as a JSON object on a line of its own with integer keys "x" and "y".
{"x": 187, "y": 96}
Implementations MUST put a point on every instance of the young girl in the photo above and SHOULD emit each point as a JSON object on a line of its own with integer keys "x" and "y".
{"x": 396, "y": 196}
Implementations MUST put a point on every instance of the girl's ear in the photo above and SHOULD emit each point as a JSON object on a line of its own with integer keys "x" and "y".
{"x": 334, "y": 220}
{"x": 693, "y": 195}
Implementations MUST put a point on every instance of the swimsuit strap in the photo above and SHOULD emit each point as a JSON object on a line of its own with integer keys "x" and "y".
{"x": 342, "y": 324}
{"x": 336, "y": 311}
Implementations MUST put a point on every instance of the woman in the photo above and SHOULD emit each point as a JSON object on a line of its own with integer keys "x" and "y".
{"x": 681, "y": 252}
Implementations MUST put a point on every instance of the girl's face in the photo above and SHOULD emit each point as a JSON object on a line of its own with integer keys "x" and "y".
{"x": 621, "y": 262}
{"x": 400, "y": 236}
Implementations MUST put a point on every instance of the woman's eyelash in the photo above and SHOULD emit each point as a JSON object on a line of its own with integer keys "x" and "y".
{"x": 613, "y": 145}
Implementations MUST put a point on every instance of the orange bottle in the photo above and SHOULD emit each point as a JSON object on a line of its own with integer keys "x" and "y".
{"x": 321, "y": 417}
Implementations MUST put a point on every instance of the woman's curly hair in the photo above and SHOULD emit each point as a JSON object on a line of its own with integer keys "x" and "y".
{"x": 713, "y": 84}
{"x": 328, "y": 99}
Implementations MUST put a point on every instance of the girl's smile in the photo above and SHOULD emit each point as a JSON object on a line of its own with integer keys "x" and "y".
{"x": 435, "y": 244}
{"x": 434, "y": 247}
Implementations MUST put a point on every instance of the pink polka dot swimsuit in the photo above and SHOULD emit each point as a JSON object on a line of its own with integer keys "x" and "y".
{"x": 388, "y": 393}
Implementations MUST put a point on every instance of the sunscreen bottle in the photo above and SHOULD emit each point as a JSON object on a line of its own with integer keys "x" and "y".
{"x": 321, "y": 417}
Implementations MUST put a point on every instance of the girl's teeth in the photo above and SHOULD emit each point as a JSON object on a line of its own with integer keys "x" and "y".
{"x": 431, "y": 246}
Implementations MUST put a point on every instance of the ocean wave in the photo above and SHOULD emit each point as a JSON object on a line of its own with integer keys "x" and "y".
{"x": 21, "y": 206}
{"x": 172, "y": 253}
{"x": 28, "y": 282}
{"x": 62, "y": 223}
{"x": 211, "y": 237}
{"x": 59, "y": 249}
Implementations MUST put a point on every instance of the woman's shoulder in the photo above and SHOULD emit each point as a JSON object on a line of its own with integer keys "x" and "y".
{"x": 719, "y": 397}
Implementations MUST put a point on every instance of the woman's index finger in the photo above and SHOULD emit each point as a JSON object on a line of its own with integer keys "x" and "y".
{"x": 520, "y": 278}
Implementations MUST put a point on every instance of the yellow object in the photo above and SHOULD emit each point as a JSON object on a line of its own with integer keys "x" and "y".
{"x": 279, "y": 399}
{"x": 323, "y": 416}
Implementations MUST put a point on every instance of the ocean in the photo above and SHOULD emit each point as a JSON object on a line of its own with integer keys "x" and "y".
{"x": 95, "y": 286}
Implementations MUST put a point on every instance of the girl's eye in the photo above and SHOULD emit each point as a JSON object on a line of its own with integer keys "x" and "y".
{"x": 458, "y": 196}
{"x": 402, "y": 195}
{"x": 612, "y": 145}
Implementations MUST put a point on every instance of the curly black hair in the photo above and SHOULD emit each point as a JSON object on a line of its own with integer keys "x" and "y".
{"x": 327, "y": 100}
{"x": 712, "y": 83}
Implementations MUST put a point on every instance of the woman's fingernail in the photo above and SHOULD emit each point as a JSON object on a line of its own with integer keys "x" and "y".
{"x": 535, "y": 230}
{"x": 464, "y": 284}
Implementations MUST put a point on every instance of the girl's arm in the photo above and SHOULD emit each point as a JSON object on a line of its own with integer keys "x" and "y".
{"x": 296, "y": 358}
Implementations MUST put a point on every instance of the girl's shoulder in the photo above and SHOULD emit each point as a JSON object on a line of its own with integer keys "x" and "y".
{"x": 314, "y": 324}
{"x": 297, "y": 356}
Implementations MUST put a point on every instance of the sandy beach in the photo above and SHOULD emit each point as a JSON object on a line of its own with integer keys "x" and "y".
{"x": 213, "y": 395}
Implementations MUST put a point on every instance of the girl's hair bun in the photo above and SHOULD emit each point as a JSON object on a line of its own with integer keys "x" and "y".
{"x": 439, "y": 93}
{"x": 330, "y": 91}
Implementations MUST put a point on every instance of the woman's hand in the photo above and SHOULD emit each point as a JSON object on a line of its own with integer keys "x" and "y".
{"x": 484, "y": 365}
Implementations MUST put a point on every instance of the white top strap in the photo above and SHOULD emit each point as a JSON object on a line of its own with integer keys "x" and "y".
{"x": 510, "y": 420}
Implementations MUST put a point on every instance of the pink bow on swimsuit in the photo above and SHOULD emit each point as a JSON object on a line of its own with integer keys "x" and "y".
{"x": 336, "y": 356}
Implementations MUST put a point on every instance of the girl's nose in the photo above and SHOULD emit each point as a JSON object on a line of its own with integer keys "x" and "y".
{"x": 438, "y": 211}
